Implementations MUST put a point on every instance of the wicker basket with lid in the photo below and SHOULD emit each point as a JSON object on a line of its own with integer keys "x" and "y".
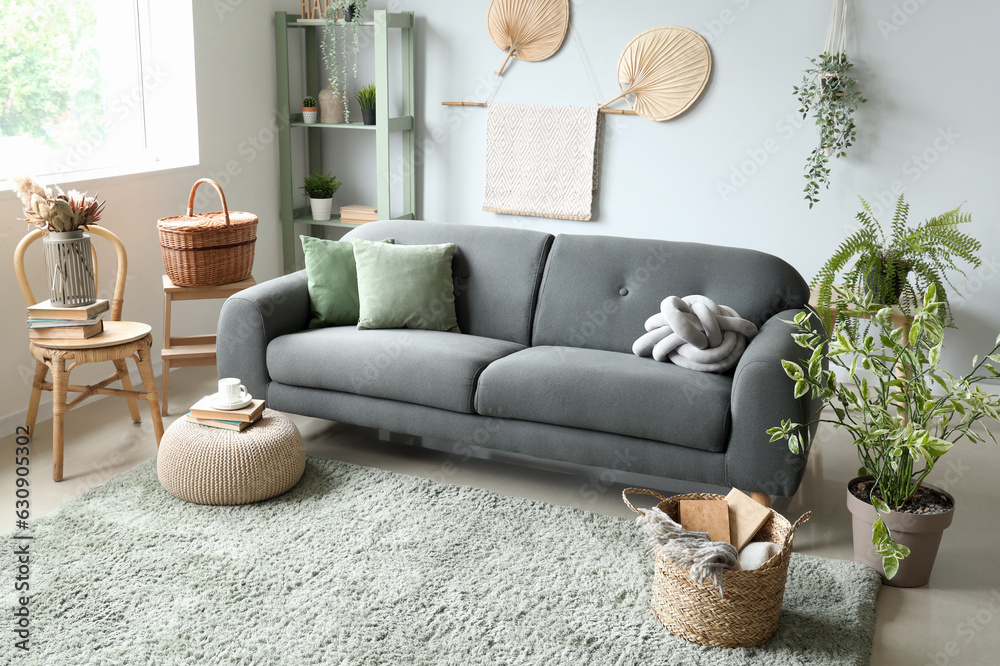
{"x": 208, "y": 248}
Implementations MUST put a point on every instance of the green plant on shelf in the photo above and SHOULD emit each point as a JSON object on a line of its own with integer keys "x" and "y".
{"x": 309, "y": 103}
{"x": 320, "y": 185}
{"x": 366, "y": 97}
{"x": 336, "y": 67}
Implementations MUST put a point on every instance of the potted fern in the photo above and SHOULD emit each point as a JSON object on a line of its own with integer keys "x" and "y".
{"x": 902, "y": 421}
{"x": 897, "y": 267}
{"x": 830, "y": 93}
{"x": 320, "y": 187}
{"x": 366, "y": 100}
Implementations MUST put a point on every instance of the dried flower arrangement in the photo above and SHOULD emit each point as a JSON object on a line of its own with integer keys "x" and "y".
{"x": 50, "y": 209}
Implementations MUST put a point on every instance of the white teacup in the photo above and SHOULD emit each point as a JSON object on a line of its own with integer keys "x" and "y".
{"x": 231, "y": 392}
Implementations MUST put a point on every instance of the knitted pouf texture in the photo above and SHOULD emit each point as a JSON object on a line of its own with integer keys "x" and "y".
{"x": 207, "y": 465}
{"x": 356, "y": 566}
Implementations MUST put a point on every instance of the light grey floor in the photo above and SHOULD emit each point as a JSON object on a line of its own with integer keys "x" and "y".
{"x": 953, "y": 620}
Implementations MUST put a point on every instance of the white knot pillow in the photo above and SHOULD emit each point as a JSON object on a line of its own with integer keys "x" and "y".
{"x": 695, "y": 333}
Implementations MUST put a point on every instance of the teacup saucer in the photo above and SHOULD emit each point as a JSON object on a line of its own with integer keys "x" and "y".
{"x": 229, "y": 406}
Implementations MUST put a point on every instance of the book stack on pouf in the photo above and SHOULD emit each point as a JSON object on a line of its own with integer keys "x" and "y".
{"x": 358, "y": 214}
{"x": 47, "y": 322}
{"x": 204, "y": 414}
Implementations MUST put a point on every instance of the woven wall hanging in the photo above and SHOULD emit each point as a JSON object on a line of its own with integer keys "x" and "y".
{"x": 529, "y": 30}
{"x": 662, "y": 71}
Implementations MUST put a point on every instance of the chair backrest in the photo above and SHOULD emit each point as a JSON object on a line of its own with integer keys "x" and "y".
{"x": 93, "y": 230}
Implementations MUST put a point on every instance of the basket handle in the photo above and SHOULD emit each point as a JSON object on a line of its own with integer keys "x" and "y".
{"x": 225, "y": 208}
{"x": 640, "y": 491}
{"x": 804, "y": 518}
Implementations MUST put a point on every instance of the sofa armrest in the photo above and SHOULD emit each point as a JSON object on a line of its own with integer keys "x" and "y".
{"x": 252, "y": 318}
{"x": 761, "y": 399}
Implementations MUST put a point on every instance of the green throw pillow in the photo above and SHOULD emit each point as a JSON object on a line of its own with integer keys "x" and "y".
{"x": 405, "y": 286}
{"x": 332, "y": 281}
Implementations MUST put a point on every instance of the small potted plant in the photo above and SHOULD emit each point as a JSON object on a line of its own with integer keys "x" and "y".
{"x": 67, "y": 249}
{"x": 830, "y": 93}
{"x": 901, "y": 422}
{"x": 310, "y": 111}
{"x": 320, "y": 187}
{"x": 366, "y": 99}
{"x": 883, "y": 264}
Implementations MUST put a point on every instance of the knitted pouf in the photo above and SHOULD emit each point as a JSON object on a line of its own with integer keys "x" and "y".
{"x": 208, "y": 465}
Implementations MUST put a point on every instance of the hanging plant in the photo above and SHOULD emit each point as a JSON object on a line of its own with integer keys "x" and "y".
{"x": 346, "y": 13}
{"x": 830, "y": 93}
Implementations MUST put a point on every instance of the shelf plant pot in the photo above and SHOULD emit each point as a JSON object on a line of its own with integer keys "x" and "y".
{"x": 920, "y": 533}
{"x": 310, "y": 114}
{"x": 368, "y": 115}
{"x": 69, "y": 264}
{"x": 321, "y": 208}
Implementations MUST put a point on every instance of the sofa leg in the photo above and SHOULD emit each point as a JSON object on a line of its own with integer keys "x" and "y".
{"x": 762, "y": 498}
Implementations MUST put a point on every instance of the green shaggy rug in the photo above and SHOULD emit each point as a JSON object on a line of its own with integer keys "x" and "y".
{"x": 363, "y": 566}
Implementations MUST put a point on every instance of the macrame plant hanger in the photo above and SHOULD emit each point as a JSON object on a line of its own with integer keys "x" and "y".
{"x": 836, "y": 32}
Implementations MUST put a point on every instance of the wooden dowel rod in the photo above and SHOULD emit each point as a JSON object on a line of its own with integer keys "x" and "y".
{"x": 622, "y": 112}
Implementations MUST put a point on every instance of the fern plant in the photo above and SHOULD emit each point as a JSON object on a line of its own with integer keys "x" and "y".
{"x": 831, "y": 94}
{"x": 898, "y": 268}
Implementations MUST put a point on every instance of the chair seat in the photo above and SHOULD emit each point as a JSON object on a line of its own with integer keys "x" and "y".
{"x": 115, "y": 333}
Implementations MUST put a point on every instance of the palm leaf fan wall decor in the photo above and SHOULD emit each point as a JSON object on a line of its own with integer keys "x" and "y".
{"x": 662, "y": 71}
{"x": 529, "y": 30}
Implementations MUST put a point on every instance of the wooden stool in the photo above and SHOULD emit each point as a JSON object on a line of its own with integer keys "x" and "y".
{"x": 190, "y": 350}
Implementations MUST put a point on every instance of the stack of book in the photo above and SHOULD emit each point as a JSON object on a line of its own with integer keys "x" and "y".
{"x": 204, "y": 414}
{"x": 47, "y": 322}
{"x": 358, "y": 214}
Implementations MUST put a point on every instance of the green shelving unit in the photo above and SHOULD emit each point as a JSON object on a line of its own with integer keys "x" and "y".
{"x": 384, "y": 125}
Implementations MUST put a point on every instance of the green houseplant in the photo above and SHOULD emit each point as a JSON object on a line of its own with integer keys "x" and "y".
{"x": 346, "y": 13}
{"x": 366, "y": 100}
{"x": 830, "y": 93}
{"x": 902, "y": 420}
{"x": 897, "y": 267}
{"x": 309, "y": 110}
{"x": 320, "y": 187}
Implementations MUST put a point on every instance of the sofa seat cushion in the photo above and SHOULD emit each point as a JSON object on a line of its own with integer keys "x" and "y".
{"x": 431, "y": 368}
{"x": 610, "y": 392}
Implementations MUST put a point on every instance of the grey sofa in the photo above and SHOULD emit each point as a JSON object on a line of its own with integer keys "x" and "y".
{"x": 543, "y": 366}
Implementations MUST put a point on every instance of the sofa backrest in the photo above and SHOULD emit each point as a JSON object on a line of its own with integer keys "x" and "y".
{"x": 598, "y": 291}
{"x": 496, "y": 271}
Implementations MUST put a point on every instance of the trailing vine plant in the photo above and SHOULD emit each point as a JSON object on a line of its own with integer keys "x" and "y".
{"x": 830, "y": 93}
{"x": 336, "y": 14}
{"x": 883, "y": 263}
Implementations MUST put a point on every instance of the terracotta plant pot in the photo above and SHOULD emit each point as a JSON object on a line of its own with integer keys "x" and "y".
{"x": 920, "y": 533}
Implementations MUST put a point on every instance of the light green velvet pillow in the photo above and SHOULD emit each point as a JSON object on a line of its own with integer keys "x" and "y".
{"x": 332, "y": 281}
{"x": 405, "y": 286}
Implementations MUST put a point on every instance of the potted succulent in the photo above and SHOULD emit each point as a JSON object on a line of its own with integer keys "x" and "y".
{"x": 830, "y": 93}
{"x": 67, "y": 250}
{"x": 366, "y": 100}
{"x": 901, "y": 422}
{"x": 310, "y": 111}
{"x": 347, "y": 14}
{"x": 320, "y": 187}
{"x": 897, "y": 267}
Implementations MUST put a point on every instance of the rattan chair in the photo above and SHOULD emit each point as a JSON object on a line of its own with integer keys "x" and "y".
{"x": 119, "y": 341}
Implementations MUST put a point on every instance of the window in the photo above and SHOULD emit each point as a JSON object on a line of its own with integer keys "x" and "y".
{"x": 92, "y": 88}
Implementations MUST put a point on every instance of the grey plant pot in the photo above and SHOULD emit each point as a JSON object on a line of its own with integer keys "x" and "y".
{"x": 368, "y": 116}
{"x": 70, "y": 267}
{"x": 921, "y": 534}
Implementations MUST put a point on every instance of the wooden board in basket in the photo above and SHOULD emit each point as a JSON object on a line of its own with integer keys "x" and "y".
{"x": 207, "y": 249}
{"x": 747, "y": 614}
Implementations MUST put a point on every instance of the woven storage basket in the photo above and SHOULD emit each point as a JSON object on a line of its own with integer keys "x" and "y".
{"x": 747, "y": 613}
{"x": 209, "y": 248}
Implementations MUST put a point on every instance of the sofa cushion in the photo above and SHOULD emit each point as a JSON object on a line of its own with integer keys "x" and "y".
{"x": 496, "y": 271}
{"x": 598, "y": 291}
{"x": 333, "y": 281}
{"x": 432, "y": 368}
{"x": 405, "y": 286}
{"x": 610, "y": 392}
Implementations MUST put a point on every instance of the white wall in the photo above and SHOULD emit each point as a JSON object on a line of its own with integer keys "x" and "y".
{"x": 927, "y": 67}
